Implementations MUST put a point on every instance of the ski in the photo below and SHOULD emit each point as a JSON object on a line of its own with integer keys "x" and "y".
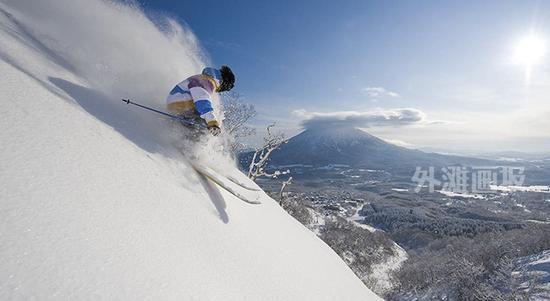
{"x": 235, "y": 180}
{"x": 243, "y": 184}
{"x": 225, "y": 183}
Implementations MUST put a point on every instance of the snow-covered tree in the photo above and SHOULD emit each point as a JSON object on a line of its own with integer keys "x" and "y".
{"x": 258, "y": 164}
{"x": 236, "y": 114}
{"x": 283, "y": 186}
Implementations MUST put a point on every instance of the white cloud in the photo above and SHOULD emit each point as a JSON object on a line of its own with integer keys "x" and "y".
{"x": 524, "y": 131}
{"x": 379, "y": 117}
{"x": 377, "y": 92}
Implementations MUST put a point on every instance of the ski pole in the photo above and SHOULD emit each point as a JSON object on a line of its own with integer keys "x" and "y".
{"x": 181, "y": 119}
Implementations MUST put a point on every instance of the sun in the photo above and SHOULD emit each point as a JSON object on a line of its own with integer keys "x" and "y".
{"x": 529, "y": 50}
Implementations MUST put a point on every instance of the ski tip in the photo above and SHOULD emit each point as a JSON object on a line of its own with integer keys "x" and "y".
{"x": 255, "y": 200}
{"x": 126, "y": 101}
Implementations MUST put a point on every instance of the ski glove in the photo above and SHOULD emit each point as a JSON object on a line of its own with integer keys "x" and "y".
{"x": 214, "y": 130}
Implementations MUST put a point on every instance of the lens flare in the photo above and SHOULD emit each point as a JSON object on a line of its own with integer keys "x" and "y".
{"x": 529, "y": 50}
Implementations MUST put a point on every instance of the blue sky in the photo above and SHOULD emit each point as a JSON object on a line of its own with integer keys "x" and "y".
{"x": 449, "y": 61}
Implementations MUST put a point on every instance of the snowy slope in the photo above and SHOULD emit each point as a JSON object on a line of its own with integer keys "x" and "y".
{"x": 533, "y": 275}
{"x": 95, "y": 203}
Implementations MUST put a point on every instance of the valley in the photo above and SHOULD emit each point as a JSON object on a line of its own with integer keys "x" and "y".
{"x": 396, "y": 207}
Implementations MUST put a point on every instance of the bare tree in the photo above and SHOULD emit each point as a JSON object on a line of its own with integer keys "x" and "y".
{"x": 258, "y": 164}
{"x": 237, "y": 113}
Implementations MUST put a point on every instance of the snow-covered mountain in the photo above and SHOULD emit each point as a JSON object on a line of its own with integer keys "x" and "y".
{"x": 96, "y": 202}
{"x": 354, "y": 147}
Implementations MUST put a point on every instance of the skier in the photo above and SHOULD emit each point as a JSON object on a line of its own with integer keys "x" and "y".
{"x": 192, "y": 98}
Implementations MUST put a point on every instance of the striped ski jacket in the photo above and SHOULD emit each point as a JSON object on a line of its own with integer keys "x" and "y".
{"x": 192, "y": 98}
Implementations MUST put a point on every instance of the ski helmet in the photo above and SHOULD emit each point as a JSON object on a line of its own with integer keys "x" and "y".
{"x": 228, "y": 79}
{"x": 212, "y": 72}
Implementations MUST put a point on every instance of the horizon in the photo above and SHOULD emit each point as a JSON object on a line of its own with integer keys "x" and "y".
{"x": 428, "y": 149}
